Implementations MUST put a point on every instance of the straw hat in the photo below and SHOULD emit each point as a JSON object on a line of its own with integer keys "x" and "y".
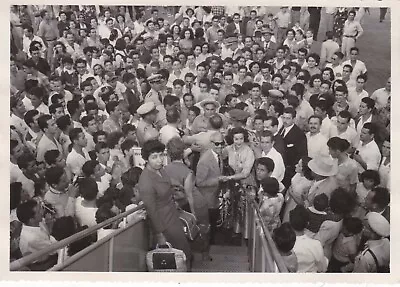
{"x": 323, "y": 166}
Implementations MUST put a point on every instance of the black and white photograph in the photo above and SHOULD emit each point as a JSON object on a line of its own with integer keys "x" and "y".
{"x": 201, "y": 139}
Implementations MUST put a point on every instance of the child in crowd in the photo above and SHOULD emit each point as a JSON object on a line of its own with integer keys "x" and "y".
{"x": 318, "y": 212}
{"x": 271, "y": 203}
{"x": 285, "y": 238}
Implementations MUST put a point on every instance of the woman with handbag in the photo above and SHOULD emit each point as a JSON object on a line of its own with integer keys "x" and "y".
{"x": 156, "y": 192}
{"x": 187, "y": 196}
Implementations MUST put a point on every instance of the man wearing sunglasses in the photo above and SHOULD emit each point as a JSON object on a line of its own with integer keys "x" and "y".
{"x": 208, "y": 177}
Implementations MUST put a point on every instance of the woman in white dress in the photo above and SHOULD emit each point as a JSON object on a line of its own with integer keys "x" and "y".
{"x": 384, "y": 168}
{"x": 301, "y": 183}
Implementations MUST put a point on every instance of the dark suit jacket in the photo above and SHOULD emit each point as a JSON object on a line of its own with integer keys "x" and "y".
{"x": 207, "y": 174}
{"x": 270, "y": 51}
{"x": 133, "y": 101}
{"x": 295, "y": 146}
{"x": 230, "y": 28}
{"x": 279, "y": 145}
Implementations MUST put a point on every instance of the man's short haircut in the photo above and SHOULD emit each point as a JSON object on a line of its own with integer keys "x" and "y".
{"x": 73, "y": 107}
{"x": 278, "y": 107}
{"x": 42, "y": 121}
{"x": 63, "y": 122}
{"x": 110, "y": 106}
{"x": 170, "y": 100}
{"x": 299, "y": 218}
{"x": 291, "y": 111}
{"x": 74, "y": 134}
{"x": 369, "y": 102}
{"x": 25, "y": 211}
{"x": 50, "y": 156}
{"x": 371, "y": 127}
{"x": 381, "y": 196}
{"x": 274, "y": 120}
{"x": 284, "y": 237}
{"x": 29, "y": 115}
{"x": 53, "y": 175}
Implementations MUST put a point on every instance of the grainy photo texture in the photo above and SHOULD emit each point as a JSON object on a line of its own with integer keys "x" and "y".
{"x": 200, "y": 139}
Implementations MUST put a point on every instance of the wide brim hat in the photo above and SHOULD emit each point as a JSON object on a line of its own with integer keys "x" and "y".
{"x": 323, "y": 166}
{"x": 210, "y": 101}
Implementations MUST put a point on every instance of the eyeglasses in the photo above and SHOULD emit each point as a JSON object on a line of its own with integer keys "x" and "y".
{"x": 219, "y": 143}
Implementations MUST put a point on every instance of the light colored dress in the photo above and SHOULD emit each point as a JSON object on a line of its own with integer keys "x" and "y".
{"x": 300, "y": 187}
{"x": 270, "y": 209}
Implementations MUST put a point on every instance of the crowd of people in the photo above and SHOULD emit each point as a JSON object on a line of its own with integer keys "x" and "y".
{"x": 229, "y": 105}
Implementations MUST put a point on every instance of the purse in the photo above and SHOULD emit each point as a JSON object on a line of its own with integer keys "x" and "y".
{"x": 190, "y": 226}
{"x": 166, "y": 259}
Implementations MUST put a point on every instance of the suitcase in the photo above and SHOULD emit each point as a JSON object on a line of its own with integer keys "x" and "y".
{"x": 190, "y": 226}
{"x": 166, "y": 259}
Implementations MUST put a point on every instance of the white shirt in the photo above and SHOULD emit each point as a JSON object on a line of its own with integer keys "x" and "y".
{"x": 43, "y": 109}
{"x": 104, "y": 184}
{"x": 360, "y": 124}
{"x": 34, "y": 239}
{"x": 350, "y": 135}
{"x": 337, "y": 70}
{"x": 63, "y": 204}
{"x": 85, "y": 215}
{"x": 279, "y": 169}
{"x": 75, "y": 161}
{"x": 46, "y": 144}
{"x": 381, "y": 97}
{"x": 15, "y": 172}
{"x": 354, "y": 98}
{"x": 358, "y": 69}
{"x": 286, "y": 130}
{"x": 19, "y": 124}
{"x": 326, "y": 126}
{"x": 316, "y": 145}
{"x": 371, "y": 154}
{"x": 26, "y": 43}
{"x": 168, "y": 132}
{"x": 310, "y": 255}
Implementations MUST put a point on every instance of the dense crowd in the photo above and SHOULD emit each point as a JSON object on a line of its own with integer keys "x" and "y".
{"x": 227, "y": 105}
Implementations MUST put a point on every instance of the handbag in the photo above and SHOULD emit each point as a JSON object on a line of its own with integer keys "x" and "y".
{"x": 166, "y": 259}
{"x": 190, "y": 226}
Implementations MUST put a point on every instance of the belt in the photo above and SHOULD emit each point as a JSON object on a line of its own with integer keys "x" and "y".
{"x": 51, "y": 40}
{"x": 349, "y": 36}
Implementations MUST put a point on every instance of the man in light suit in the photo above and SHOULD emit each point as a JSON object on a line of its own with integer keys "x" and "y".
{"x": 295, "y": 143}
{"x": 208, "y": 177}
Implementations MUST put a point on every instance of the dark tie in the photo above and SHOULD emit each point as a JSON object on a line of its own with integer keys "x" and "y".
{"x": 220, "y": 164}
{"x": 283, "y": 132}
{"x": 160, "y": 97}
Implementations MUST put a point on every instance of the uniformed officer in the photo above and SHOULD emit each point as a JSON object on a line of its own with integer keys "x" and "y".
{"x": 154, "y": 95}
{"x": 376, "y": 255}
{"x": 146, "y": 129}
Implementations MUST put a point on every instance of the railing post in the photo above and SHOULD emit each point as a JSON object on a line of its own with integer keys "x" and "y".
{"x": 111, "y": 255}
{"x": 253, "y": 247}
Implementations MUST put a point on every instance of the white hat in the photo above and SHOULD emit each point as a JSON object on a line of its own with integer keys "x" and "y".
{"x": 210, "y": 101}
{"x": 323, "y": 166}
{"x": 147, "y": 108}
{"x": 378, "y": 224}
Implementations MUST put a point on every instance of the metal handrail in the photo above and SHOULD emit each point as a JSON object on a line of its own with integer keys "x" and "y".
{"x": 276, "y": 256}
{"x": 92, "y": 247}
{"x": 24, "y": 261}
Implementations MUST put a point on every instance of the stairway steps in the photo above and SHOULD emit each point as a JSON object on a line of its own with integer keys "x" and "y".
{"x": 225, "y": 259}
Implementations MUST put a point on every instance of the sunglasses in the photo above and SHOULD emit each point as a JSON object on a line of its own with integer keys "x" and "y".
{"x": 219, "y": 143}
